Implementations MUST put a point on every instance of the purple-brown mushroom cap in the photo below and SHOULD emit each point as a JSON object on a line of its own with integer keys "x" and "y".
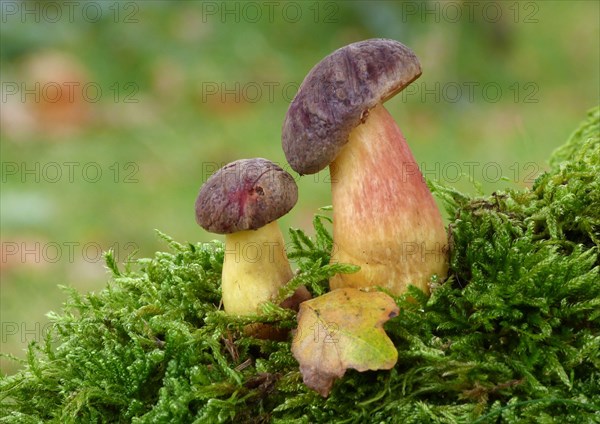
{"x": 336, "y": 96}
{"x": 245, "y": 195}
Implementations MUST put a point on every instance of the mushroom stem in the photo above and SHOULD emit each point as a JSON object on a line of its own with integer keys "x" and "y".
{"x": 254, "y": 269}
{"x": 384, "y": 217}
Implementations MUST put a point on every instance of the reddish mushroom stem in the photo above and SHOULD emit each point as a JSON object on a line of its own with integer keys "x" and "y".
{"x": 385, "y": 218}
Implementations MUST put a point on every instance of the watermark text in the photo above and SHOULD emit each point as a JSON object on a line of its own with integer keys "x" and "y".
{"x": 69, "y": 172}
{"x": 469, "y": 11}
{"x": 66, "y": 251}
{"x": 69, "y": 92}
{"x": 290, "y": 12}
{"x": 51, "y": 12}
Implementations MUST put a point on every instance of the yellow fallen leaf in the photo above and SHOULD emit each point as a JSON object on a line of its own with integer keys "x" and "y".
{"x": 343, "y": 329}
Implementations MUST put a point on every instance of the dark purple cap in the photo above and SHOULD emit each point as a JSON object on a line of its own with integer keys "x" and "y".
{"x": 245, "y": 195}
{"x": 336, "y": 96}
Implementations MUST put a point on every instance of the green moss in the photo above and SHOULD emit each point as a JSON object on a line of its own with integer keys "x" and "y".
{"x": 512, "y": 336}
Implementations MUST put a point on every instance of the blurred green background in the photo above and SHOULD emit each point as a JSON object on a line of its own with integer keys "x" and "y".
{"x": 156, "y": 95}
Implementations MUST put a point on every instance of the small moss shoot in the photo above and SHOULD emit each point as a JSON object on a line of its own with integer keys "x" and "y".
{"x": 512, "y": 336}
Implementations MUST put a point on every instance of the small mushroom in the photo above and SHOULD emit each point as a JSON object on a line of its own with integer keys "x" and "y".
{"x": 384, "y": 216}
{"x": 243, "y": 200}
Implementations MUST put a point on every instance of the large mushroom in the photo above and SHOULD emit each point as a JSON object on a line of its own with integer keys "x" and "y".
{"x": 243, "y": 200}
{"x": 384, "y": 216}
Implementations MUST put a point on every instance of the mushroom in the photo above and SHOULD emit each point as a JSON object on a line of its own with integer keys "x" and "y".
{"x": 243, "y": 200}
{"x": 384, "y": 217}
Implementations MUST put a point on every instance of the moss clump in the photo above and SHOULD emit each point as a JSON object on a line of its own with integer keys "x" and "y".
{"x": 512, "y": 336}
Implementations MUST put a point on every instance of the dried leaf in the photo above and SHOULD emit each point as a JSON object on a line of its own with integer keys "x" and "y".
{"x": 343, "y": 329}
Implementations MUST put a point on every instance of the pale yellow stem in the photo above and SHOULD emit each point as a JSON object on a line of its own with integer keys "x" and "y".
{"x": 254, "y": 269}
